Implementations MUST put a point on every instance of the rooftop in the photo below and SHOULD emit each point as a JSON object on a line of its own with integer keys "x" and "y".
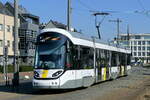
{"x": 3, "y": 10}
{"x": 21, "y": 9}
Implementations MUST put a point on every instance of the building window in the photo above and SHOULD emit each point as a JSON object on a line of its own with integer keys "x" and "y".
{"x": 8, "y": 43}
{"x": 135, "y": 48}
{"x": 1, "y": 43}
{"x": 139, "y": 53}
{"x": 143, "y": 53}
{"x": 8, "y": 28}
{"x": 148, "y": 48}
{"x": 139, "y": 48}
{"x": 143, "y": 42}
{"x": 143, "y": 48}
{"x": 146, "y": 37}
{"x": 135, "y": 43}
{"x": 132, "y": 48}
{"x": 148, "y": 42}
{"x": 1, "y": 27}
{"x": 137, "y": 37}
{"x": 148, "y": 53}
{"x": 13, "y": 45}
{"x": 135, "y": 54}
{"x": 139, "y": 42}
{"x": 131, "y": 43}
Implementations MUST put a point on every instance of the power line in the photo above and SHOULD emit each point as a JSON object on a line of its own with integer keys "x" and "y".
{"x": 83, "y": 11}
{"x": 141, "y": 4}
{"x": 86, "y": 6}
{"x": 145, "y": 12}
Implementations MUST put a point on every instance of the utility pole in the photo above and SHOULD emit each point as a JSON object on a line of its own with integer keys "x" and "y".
{"x": 4, "y": 56}
{"x": 69, "y": 29}
{"x": 15, "y": 80}
{"x": 128, "y": 37}
{"x": 69, "y": 16}
{"x": 128, "y": 33}
{"x": 5, "y": 51}
{"x": 118, "y": 21}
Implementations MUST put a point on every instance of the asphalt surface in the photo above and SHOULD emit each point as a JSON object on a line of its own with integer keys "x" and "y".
{"x": 136, "y": 86}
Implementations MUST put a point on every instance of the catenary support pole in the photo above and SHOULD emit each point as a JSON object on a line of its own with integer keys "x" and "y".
{"x": 16, "y": 64}
{"x": 69, "y": 16}
{"x": 118, "y": 21}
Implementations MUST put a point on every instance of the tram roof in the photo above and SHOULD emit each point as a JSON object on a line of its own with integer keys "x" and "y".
{"x": 82, "y": 39}
{"x": 92, "y": 38}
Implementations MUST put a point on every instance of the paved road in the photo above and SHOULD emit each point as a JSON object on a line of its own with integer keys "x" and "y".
{"x": 133, "y": 87}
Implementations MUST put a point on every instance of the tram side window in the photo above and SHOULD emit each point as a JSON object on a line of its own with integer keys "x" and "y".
{"x": 122, "y": 58}
{"x": 106, "y": 58}
{"x": 74, "y": 57}
{"x": 114, "y": 59}
{"x": 87, "y": 58}
{"x": 82, "y": 57}
{"x": 102, "y": 58}
{"x": 98, "y": 61}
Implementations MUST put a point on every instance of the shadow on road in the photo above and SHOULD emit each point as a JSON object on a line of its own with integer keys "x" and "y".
{"x": 26, "y": 88}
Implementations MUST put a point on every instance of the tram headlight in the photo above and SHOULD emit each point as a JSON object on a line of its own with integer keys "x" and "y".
{"x": 56, "y": 73}
{"x": 36, "y": 74}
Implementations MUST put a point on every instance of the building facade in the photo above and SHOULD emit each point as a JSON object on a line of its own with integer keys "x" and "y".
{"x": 6, "y": 34}
{"x": 139, "y": 45}
{"x": 29, "y": 27}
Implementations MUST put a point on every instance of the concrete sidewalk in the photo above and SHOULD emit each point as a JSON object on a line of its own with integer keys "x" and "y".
{"x": 22, "y": 76}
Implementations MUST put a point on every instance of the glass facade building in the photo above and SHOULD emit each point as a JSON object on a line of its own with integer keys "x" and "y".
{"x": 139, "y": 45}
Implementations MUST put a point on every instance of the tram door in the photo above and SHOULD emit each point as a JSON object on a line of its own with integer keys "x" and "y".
{"x": 98, "y": 66}
{"x": 99, "y": 70}
{"x": 122, "y": 58}
{"x": 125, "y": 68}
{"x": 105, "y": 57}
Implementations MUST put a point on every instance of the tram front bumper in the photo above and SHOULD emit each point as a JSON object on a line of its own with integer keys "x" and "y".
{"x": 45, "y": 84}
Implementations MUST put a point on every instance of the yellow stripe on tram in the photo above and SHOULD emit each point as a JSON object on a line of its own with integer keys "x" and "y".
{"x": 44, "y": 73}
{"x": 104, "y": 76}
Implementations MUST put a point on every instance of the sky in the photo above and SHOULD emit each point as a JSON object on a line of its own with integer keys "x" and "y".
{"x": 83, "y": 20}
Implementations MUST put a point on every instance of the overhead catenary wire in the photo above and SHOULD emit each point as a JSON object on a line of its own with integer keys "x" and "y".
{"x": 141, "y": 4}
{"x": 89, "y": 8}
{"x": 145, "y": 12}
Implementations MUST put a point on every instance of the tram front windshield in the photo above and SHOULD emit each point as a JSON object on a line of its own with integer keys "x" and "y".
{"x": 50, "y": 52}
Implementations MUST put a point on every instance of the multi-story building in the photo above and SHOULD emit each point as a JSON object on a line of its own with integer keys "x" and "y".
{"x": 139, "y": 45}
{"x": 29, "y": 27}
{"x": 6, "y": 34}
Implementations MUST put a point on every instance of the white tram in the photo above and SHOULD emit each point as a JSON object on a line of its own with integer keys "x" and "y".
{"x": 66, "y": 60}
